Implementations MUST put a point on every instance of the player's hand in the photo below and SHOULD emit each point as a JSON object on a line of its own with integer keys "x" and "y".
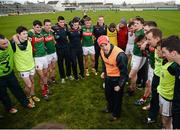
{"x": 52, "y": 30}
{"x": 143, "y": 46}
{"x": 15, "y": 39}
{"x": 30, "y": 39}
{"x": 117, "y": 88}
{"x": 102, "y": 75}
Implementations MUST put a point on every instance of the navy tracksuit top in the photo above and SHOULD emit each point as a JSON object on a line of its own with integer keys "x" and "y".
{"x": 75, "y": 38}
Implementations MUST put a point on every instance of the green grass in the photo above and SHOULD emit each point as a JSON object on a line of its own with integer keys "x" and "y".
{"x": 79, "y": 104}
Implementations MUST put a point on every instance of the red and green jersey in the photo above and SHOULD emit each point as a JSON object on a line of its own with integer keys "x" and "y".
{"x": 49, "y": 42}
{"x": 136, "y": 49}
{"x": 38, "y": 45}
{"x": 87, "y": 36}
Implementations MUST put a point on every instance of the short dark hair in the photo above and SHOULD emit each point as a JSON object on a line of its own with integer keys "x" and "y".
{"x": 60, "y": 18}
{"x": 37, "y": 22}
{"x": 112, "y": 25}
{"x": 46, "y": 20}
{"x": 130, "y": 24}
{"x": 87, "y": 19}
{"x": 150, "y": 23}
{"x": 2, "y": 36}
{"x": 85, "y": 16}
{"x": 156, "y": 32}
{"x": 75, "y": 20}
{"x": 138, "y": 18}
{"x": 21, "y": 29}
{"x": 172, "y": 43}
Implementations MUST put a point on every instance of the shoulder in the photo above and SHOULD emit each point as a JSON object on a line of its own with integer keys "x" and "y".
{"x": 55, "y": 27}
{"x": 13, "y": 45}
{"x": 121, "y": 55}
{"x": 122, "y": 58}
{"x": 43, "y": 32}
{"x": 172, "y": 68}
{"x": 30, "y": 32}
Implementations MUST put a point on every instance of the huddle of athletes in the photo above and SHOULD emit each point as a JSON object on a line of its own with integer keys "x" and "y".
{"x": 154, "y": 62}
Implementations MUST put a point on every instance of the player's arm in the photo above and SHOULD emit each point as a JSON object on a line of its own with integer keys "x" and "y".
{"x": 81, "y": 34}
{"x": 122, "y": 63}
{"x": 143, "y": 46}
{"x": 30, "y": 36}
{"x": 15, "y": 39}
{"x": 103, "y": 74}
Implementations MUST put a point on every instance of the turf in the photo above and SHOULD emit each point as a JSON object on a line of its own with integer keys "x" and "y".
{"x": 78, "y": 104}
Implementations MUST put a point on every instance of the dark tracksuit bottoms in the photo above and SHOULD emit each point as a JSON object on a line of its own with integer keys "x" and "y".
{"x": 97, "y": 54}
{"x": 154, "y": 103}
{"x": 113, "y": 98}
{"x": 63, "y": 54}
{"x": 143, "y": 74}
{"x": 77, "y": 55}
{"x": 11, "y": 82}
{"x": 76, "y": 52}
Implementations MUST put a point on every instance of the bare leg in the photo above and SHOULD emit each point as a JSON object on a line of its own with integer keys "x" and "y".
{"x": 133, "y": 78}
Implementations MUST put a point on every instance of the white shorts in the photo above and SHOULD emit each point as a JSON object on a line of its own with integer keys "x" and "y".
{"x": 52, "y": 57}
{"x": 150, "y": 73}
{"x": 26, "y": 74}
{"x": 88, "y": 50}
{"x": 165, "y": 106}
{"x": 137, "y": 62}
{"x": 129, "y": 49}
{"x": 41, "y": 63}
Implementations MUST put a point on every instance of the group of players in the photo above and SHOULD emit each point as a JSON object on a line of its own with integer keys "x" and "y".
{"x": 38, "y": 49}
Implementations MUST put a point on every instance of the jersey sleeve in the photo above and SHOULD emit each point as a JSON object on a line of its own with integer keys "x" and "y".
{"x": 122, "y": 63}
{"x": 30, "y": 34}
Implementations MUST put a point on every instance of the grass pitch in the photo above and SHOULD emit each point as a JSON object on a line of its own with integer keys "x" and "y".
{"x": 79, "y": 104}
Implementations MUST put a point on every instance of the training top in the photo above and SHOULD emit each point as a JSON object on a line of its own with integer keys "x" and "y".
{"x": 112, "y": 37}
{"x": 74, "y": 38}
{"x": 99, "y": 30}
{"x": 61, "y": 36}
{"x": 121, "y": 61}
{"x": 6, "y": 61}
{"x": 23, "y": 59}
{"x": 167, "y": 81}
{"x": 158, "y": 64}
{"x": 175, "y": 70}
